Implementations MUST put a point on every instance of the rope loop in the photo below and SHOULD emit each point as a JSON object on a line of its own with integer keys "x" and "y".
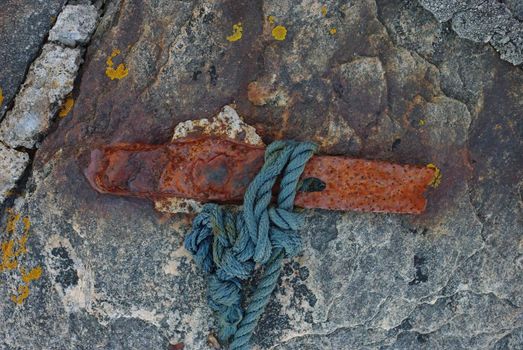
{"x": 227, "y": 245}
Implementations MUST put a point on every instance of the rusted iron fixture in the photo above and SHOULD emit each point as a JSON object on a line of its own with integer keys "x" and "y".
{"x": 212, "y": 169}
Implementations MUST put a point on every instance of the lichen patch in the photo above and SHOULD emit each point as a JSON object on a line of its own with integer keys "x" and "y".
{"x": 119, "y": 72}
{"x": 66, "y": 108}
{"x": 237, "y": 32}
{"x": 437, "y": 175}
{"x": 13, "y": 248}
{"x": 279, "y": 33}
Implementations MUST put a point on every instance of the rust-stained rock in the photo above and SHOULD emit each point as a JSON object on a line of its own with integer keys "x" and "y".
{"x": 261, "y": 93}
{"x": 449, "y": 278}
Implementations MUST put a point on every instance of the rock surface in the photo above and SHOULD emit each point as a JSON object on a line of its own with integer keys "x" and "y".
{"x": 74, "y": 25}
{"x": 49, "y": 80}
{"x": 13, "y": 164}
{"x": 484, "y": 21}
{"x": 391, "y": 83}
{"x": 24, "y": 25}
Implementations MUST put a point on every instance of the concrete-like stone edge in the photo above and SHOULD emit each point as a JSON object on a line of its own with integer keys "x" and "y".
{"x": 50, "y": 78}
{"x": 13, "y": 165}
{"x": 74, "y": 25}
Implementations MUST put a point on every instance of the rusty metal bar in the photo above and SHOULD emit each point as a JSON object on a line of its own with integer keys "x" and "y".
{"x": 210, "y": 169}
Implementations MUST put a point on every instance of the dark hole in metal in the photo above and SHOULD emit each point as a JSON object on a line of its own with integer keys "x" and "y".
{"x": 312, "y": 184}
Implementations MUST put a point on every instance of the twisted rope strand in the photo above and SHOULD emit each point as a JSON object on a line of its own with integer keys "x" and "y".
{"x": 227, "y": 245}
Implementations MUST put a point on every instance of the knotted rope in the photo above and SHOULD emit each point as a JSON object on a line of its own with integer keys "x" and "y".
{"x": 227, "y": 245}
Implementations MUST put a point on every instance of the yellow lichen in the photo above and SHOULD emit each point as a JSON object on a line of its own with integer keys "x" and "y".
{"x": 271, "y": 19}
{"x": 437, "y": 175}
{"x": 22, "y": 249}
{"x": 9, "y": 261}
{"x": 237, "y": 31}
{"x": 12, "y": 249}
{"x": 333, "y": 31}
{"x": 120, "y": 72}
{"x": 32, "y": 275}
{"x": 12, "y": 220}
{"x": 22, "y": 241}
{"x": 27, "y": 224}
{"x": 66, "y": 107}
{"x": 9, "y": 193}
{"x": 324, "y": 10}
{"x": 23, "y": 293}
{"x": 279, "y": 33}
{"x": 422, "y": 122}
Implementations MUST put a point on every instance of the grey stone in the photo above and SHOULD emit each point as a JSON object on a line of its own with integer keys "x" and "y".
{"x": 49, "y": 80}
{"x": 516, "y": 7}
{"x": 483, "y": 21}
{"x": 13, "y": 164}
{"x": 445, "y": 10}
{"x": 364, "y": 80}
{"x": 74, "y": 25}
{"x": 115, "y": 271}
{"x": 24, "y": 25}
{"x": 412, "y": 27}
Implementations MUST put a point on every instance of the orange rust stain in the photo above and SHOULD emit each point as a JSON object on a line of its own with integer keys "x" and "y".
{"x": 1, "y": 97}
{"x": 212, "y": 169}
{"x": 284, "y": 123}
{"x": 257, "y": 93}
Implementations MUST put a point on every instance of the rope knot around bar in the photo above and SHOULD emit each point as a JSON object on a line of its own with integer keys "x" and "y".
{"x": 228, "y": 244}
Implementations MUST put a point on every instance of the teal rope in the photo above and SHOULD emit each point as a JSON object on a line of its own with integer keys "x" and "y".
{"x": 227, "y": 245}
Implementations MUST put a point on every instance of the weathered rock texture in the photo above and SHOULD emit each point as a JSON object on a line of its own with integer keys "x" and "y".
{"x": 391, "y": 83}
{"x": 13, "y": 164}
{"x": 483, "y": 21}
{"x": 24, "y": 25}
{"x": 49, "y": 80}
{"x": 74, "y": 25}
